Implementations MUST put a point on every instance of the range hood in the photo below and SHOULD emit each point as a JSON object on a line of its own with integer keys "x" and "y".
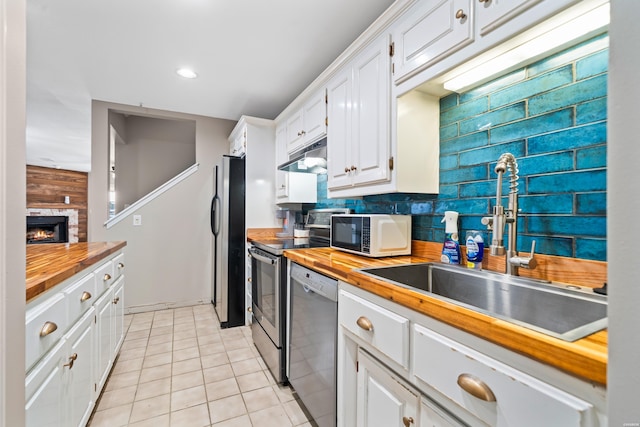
{"x": 311, "y": 159}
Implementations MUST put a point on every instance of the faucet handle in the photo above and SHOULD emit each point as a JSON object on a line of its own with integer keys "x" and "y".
{"x": 526, "y": 262}
{"x": 488, "y": 221}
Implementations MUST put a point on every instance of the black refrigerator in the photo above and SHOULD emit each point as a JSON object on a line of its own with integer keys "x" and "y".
{"x": 228, "y": 228}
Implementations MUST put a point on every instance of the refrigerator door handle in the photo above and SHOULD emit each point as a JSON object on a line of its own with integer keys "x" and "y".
{"x": 215, "y": 215}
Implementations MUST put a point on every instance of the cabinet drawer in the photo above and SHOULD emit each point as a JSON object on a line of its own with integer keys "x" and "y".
{"x": 45, "y": 324}
{"x": 105, "y": 276}
{"x": 118, "y": 266}
{"x": 81, "y": 296}
{"x": 430, "y": 31}
{"x": 383, "y": 329}
{"x": 520, "y": 400}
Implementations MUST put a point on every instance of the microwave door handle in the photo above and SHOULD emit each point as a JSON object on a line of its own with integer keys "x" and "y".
{"x": 262, "y": 258}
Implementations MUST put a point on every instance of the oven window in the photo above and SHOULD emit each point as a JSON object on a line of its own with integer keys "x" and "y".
{"x": 264, "y": 293}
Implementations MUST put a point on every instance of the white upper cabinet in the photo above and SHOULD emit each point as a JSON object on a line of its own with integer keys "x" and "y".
{"x": 358, "y": 140}
{"x": 292, "y": 187}
{"x": 339, "y": 129}
{"x": 430, "y": 31}
{"x": 308, "y": 124}
{"x": 238, "y": 144}
{"x": 295, "y": 132}
{"x": 281, "y": 157}
{"x": 491, "y": 14}
{"x": 314, "y": 117}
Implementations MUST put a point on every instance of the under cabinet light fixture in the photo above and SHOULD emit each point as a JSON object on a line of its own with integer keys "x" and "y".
{"x": 187, "y": 73}
{"x": 552, "y": 36}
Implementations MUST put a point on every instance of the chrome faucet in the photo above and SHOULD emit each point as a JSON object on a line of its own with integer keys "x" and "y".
{"x": 509, "y": 217}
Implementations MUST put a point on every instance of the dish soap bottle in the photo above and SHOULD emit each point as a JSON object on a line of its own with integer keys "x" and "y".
{"x": 451, "y": 246}
{"x": 475, "y": 249}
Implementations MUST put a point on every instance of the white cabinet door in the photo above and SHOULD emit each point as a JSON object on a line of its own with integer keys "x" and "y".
{"x": 370, "y": 150}
{"x": 238, "y": 144}
{"x": 382, "y": 400}
{"x": 339, "y": 129}
{"x": 358, "y": 136}
{"x": 295, "y": 134}
{"x": 430, "y": 31}
{"x": 104, "y": 336}
{"x": 491, "y": 14}
{"x": 314, "y": 115}
{"x": 430, "y": 416}
{"x": 281, "y": 157}
{"x": 118, "y": 316}
{"x": 44, "y": 388}
{"x": 79, "y": 371}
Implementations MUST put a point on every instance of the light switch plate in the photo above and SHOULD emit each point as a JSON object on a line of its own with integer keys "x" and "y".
{"x": 137, "y": 220}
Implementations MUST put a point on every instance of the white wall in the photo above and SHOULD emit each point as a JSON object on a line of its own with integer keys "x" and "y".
{"x": 12, "y": 210}
{"x": 168, "y": 258}
{"x": 155, "y": 151}
{"x": 623, "y": 209}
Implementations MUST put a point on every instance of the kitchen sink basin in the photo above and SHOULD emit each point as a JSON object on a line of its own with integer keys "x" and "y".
{"x": 563, "y": 311}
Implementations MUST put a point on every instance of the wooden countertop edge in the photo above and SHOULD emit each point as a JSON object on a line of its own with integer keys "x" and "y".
{"x": 584, "y": 358}
{"x": 36, "y": 284}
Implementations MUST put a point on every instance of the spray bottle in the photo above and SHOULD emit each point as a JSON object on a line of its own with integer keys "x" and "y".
{"x": 451, "y": 246}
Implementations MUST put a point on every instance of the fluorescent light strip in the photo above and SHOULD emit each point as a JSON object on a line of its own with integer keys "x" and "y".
{"x": 572, "y": 30}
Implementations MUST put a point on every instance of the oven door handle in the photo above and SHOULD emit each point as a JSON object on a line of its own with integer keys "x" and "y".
{"x": 262, "y": 258}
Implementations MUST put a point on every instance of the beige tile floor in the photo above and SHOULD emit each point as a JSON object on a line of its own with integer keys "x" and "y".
{"x": 178, "y": 368}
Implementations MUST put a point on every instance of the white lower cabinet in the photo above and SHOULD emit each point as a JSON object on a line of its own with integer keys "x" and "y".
{"x": 382, "y": 400}
{"x": 79, "y": 370}
{"x": 494, "y": 392}
{"x": 67, "y": 365}
{"x": 44, "y": 390}
{"x": 104, "y": 326}
{"x": 109, "y": 330}
{"x": 444, "y": 381}
{"x": 59, "y": 389}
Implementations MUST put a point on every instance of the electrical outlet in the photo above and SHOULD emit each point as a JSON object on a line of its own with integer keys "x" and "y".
{"x": 137, "y": 220}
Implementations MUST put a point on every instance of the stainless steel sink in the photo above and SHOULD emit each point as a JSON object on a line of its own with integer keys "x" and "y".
{"x": 565, "y": 312}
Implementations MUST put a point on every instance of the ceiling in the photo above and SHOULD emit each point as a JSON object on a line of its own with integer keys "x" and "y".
{"x": 252, "y": 57}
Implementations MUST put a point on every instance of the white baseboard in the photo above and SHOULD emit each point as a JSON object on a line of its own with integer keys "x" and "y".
{"x": 162, "y": 306}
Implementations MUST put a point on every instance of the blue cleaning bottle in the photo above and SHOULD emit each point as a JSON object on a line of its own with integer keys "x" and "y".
{"x": 451, "y": 246}
{"x": 475, "y": 249}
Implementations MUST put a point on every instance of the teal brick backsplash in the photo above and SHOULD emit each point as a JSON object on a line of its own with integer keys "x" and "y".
{"x": 552, "y": 115}
{"x": 533, "y": 86}
{"x": 569, "y": 139}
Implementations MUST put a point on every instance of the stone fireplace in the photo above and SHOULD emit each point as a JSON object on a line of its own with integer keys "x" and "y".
{"x": 52, "y": 226}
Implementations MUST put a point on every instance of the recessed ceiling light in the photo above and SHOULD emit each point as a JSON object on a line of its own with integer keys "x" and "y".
{"x": 186, "y": 73}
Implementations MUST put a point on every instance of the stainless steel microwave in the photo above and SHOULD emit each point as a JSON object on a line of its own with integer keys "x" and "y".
{"x": 372, "y": 235}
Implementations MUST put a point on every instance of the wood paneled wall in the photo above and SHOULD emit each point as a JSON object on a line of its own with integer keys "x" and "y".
{"x": 47, "y": 187}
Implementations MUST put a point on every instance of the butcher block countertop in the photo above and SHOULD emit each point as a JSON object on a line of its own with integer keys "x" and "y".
{"x": 50, "y": 264}
{"x": 585, "y": 358}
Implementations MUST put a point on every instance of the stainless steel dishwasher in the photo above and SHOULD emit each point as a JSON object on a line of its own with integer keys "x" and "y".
{"x": 313, "y": 330}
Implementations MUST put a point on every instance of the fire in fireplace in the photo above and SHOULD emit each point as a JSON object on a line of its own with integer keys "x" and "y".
{"x": 47, "y": 229}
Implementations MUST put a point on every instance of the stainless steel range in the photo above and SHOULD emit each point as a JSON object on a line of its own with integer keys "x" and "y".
{"x": 269, "y": 290}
